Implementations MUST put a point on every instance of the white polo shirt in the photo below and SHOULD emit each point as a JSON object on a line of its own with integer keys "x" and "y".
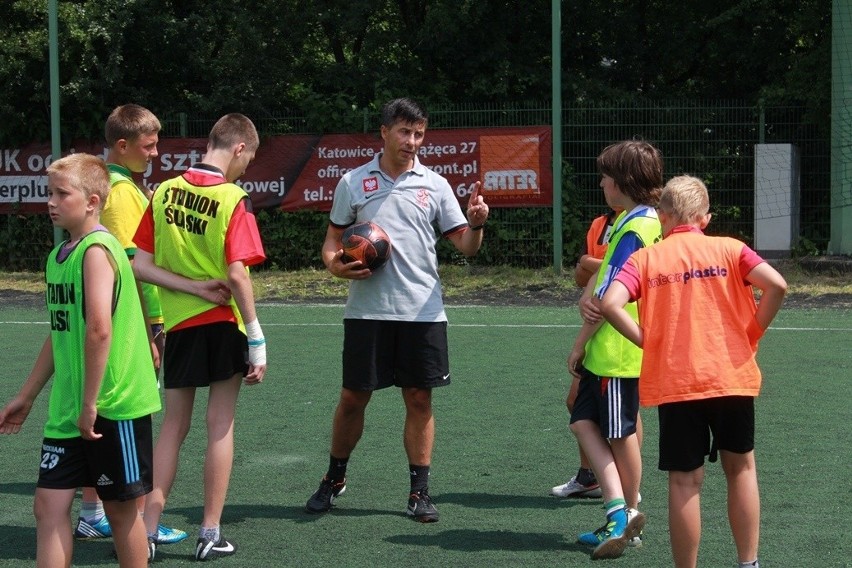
{"x": 409, "y": 209}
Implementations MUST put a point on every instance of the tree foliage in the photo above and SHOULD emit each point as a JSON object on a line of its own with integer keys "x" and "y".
{"x": 264, "y": 57}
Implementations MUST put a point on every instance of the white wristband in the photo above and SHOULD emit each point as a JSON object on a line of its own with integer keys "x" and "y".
{"x": 256, "y": 343}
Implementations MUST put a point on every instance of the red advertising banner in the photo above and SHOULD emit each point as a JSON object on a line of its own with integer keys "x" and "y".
{"x": 301, "y": 171}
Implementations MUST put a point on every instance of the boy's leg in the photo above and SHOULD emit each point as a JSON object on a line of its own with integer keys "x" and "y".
{"x": 628, "y": 461}
{"x": 52, "y": 510}
{"x": 176, "y": 423}
{"x": 131, "y": 542}
{"x": 743, "y": 502}
{"x": 600, "y": 457}
{"x": 92, "y": 522}
{"x": 221, "y": 407}
{"x": 685, "y": 515}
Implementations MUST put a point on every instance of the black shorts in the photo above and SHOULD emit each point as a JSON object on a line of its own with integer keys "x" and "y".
{"x": 204, "y": 354}
{"x": 379, "y": 354}
{"x": 611, "y": 403}
{"x": 686, "y": 429}
{"x": 119, "y": 465}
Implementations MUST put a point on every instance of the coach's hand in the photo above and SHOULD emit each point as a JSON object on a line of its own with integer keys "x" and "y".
{"x": 477, "y": 209}
{"x": 352, "y": 270}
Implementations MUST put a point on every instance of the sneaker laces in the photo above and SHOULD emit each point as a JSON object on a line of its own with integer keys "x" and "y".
{"x": 605, "y": 531}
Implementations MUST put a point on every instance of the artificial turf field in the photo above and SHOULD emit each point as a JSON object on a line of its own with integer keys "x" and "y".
{"x": 501, "y": 443}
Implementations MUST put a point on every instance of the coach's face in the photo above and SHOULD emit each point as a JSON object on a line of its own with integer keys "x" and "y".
{"x": 402, "y": 142}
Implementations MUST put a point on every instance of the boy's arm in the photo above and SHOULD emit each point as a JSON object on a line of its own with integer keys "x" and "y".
{"x": 155, "y": 353}
{"x": 612, "y": 306}
{"x": 99, "y": 276}
{"x": 578, "y": 352}
{"x": 773, "y": 288}
{"x": 589, "y": 309}
{"x": 240, "y": 284}
{"x": 586, "y": 267}
{"x": 144, "y": 269}
{"x": 14, "y": 414}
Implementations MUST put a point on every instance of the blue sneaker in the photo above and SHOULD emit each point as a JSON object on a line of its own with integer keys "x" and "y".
{"x": 167, "y": 535}
{"x": 611, "y": 539}
{"x": 100, "y": 529}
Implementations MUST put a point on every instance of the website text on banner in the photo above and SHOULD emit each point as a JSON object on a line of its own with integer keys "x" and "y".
{"x": 301, "y": 171}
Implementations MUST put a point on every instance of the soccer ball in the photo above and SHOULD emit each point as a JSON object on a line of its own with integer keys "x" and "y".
{"x": 366, "y": 242}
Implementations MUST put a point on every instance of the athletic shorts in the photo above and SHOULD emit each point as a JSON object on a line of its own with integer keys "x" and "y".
{"x": 119, "y": 465}
{"x": 379, "y": 354}
{"x": 611, "y": 403}
{"x": 204, "y": 354}
{"x": 686, "y": 429}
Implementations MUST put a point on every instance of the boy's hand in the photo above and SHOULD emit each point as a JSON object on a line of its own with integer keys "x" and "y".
{"x": 86, "y": 423}
{"x": 754, "y": 332}
{"x": 216, "y": 291}
{"x": 255, "y": 374}
{"x": 572, "y": 394}
{"x": 12, "y": 417}
{"x": 575, "y": 359}
{"x": 590, "y": 310}
{"x": 155, "y": 355}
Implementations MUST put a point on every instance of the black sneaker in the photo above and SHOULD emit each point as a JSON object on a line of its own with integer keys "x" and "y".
{"x": 206, "y": 549}
{"x": 323, "y": 499}
{"x": 421, "y": 508}
{"x": 152, "y": 549}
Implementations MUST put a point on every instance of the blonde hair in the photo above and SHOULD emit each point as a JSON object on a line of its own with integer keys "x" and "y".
{"x": 685, "y": 198}
{"x": 84, "y": 172}
{"x": 231, "y": 130}
{"x": 129, "y": 122}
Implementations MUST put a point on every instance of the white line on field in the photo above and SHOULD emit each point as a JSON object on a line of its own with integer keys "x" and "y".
{"x": 506, "y": 325}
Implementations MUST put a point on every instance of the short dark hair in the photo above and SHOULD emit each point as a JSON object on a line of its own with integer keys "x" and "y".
{"x": 231, "y": 130}
{"x": 637, "y": 168}
{"x": 405, "y": 109}
{"x": 129, "y": 122}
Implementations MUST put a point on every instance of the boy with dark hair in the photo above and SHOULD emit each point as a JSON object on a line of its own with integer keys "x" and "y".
{"x": 196, "y": 241}
{"x": 699, "y": 328}
{"x": 98, "y": 430}
{"x": 605, "y": 412}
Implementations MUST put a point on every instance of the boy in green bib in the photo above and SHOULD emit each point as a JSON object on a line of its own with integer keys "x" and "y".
{"x": 98, "y": 430}
{"x": 606, "y": 409}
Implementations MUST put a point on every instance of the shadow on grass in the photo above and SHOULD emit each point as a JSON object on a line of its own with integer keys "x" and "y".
{"x": 18, "y": 488}
{"x": 501, "y": 501}
{"x": 471, "y": 540}
{"x": 237, "y": 513}
{"x": 19, "y": 543}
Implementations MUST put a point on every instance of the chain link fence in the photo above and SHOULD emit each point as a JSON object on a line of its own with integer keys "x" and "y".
{"x": 713, "y": 140}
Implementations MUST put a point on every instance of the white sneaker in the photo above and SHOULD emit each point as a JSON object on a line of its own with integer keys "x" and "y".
{"x": 575, "y": 489}
{"x": 636, "y": 540}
